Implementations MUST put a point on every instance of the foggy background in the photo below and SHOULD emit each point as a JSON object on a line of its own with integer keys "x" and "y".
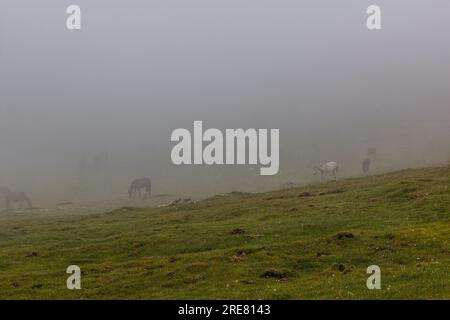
{"x": 82, "y": 113}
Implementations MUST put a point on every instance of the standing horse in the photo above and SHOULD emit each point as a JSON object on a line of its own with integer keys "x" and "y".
{"x": 366, "y": 165}
{"x": 15, "y": 196}
{"x": 328, "y": 168}
{"x": 139, "y": 184}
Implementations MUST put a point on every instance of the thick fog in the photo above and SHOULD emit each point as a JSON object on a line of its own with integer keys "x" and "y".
{"x": 85, "y": 112}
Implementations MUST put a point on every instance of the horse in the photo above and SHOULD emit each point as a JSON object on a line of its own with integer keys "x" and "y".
{"x": 327, "y": 168}
{"x": 366, "y": 165}
{"x": 15, "y": 196}
{"x": 137, "y": 185}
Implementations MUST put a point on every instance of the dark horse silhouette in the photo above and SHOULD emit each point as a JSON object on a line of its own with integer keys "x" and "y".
{"x": 139, "y": 184}
{"x": 366, "y": 165}
{"x": 15, "y": 196}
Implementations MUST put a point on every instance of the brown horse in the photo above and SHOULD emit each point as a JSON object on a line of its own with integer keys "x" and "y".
{"x": 15, "y": 196}
{"x": 139, "y": 184}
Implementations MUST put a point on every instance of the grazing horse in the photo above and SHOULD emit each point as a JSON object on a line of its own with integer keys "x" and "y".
{"x": 366, "y": 165}
{"x": 327, "y": 168}
{"x": 15, "y": 196}
{"x": 139, "y": 184}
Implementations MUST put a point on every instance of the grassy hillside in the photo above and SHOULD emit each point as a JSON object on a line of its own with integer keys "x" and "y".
{"x": 302, "y": 243}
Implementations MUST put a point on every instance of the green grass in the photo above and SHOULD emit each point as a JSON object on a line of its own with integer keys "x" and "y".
{"x": 399, "y": 221}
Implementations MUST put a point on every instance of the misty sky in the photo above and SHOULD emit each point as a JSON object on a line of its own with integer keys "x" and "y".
{"x": 140, "y": 69}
